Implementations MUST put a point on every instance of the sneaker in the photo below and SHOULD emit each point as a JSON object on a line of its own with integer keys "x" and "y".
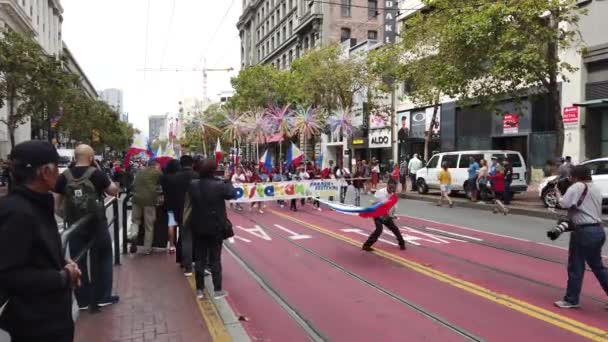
{"x": 109, "y": 301}
{"x": 566, "y": 305}
{"x": 83, "y": 308}
{"x": 207, "y": 272}
{"x": 451, "y": 205}
{"x": 220, "y": 294}
{"x": 319, "y": 209}
{"x": 367, "y": 248}
{"x": 200, "y": 294}
{"x": 188, "y": 272}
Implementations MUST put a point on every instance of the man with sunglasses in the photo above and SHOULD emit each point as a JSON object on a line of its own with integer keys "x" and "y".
{"x": 34, "y": 274}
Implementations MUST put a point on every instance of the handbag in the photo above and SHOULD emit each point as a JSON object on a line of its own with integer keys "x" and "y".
{"x": 228, "y": 229}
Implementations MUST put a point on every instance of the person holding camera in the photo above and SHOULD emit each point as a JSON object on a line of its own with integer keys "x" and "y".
{"x": 584, "y": 203}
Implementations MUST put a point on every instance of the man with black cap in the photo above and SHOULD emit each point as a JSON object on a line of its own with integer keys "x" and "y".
{"x": 33, "y": 271}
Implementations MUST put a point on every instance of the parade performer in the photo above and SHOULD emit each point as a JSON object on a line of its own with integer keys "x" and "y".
{"x": 382, "y": 211}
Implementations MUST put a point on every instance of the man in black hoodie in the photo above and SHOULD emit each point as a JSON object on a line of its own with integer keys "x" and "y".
{"x": 33, "y": 271}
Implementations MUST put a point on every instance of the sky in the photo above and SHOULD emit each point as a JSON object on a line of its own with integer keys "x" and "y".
{"x": 108, "y": 39}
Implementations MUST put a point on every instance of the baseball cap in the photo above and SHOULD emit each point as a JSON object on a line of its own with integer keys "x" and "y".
{"x": 34, "y": 153}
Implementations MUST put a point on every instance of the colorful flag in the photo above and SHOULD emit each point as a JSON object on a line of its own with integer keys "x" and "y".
{"x": 265, "y": 162}
{"x": 294, "y": 156}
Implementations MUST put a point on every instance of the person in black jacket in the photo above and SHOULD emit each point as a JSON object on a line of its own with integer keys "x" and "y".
{"x": 175, "y": 195}
{"x": 205, "y": 215}
{"x": 33, "y": 271}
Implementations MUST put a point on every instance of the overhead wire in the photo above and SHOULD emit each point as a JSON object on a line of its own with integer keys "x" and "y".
{"x": 217, "y": 29}
{"x": 164, "y": 55}
{"x": 147, "y": 34}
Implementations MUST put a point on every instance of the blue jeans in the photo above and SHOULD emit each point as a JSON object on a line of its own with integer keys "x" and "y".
{"x": 585, "y": 246}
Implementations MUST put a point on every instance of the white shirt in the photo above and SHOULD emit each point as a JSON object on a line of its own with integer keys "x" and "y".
{"x": 590, "y": 211}
{"x": 383, "y": 195}
{"x": 238, "y": 178}
{"x": 415, "y": 165}
{"x": 304, "y": 175}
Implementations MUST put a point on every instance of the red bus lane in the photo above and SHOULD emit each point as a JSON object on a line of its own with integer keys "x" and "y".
{"x": 474, "y": 309}
{"x": 514, "y": 285}
{"x": 336, "y": 305}
{"x": 490, "y": 251}
{"x": 247, "y": 297}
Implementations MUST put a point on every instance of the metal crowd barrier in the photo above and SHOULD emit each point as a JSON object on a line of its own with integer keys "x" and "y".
{"x": 83, "y": 222}
{"x": 126, "y": 206}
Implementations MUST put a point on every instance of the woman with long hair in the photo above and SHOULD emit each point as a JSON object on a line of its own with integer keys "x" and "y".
{"x": 171, "y": 201}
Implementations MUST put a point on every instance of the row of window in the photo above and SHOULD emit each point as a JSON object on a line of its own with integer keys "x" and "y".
{"x": 266, "y": 15}
{"x": 346, "y": 7}
{"x": 345, "y": 34}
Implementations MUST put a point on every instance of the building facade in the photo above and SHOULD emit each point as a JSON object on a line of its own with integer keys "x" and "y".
{"x": 584, "y": 102}
{"x": 42, "y": 20}
{"x": 278, "y": 31}
{"x": 113, "y": 97}
{"x": 157, "y": 127}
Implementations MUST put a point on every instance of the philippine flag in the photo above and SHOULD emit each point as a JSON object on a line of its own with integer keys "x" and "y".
{"x": 140, "y": 144}
{"x": 294, "y": 156}
{"x": 218, "y": 152}
{"x": 265, "y": 162}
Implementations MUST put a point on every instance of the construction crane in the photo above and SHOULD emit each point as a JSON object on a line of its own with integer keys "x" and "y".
{"x": 203, "y": 70}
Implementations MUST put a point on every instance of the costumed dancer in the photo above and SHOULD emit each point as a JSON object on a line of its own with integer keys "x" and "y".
{"x": 383, "y": 215}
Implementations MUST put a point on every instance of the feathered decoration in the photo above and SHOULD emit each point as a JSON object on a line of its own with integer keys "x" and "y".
{"x": 341, "y": 121}
{"x": 257, "y": 126}
{"x": 280, "y": 119}
{"x": 307, "y": 122}
{"x": 235, "y": 127}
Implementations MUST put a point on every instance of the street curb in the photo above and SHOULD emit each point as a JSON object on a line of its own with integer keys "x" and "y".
{"x": 546, "y": 214}
{"x": 234, "y": 327}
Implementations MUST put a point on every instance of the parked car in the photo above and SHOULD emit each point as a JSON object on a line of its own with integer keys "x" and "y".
{"x": 458, "y": 164}
{"x": 547, "y": 190}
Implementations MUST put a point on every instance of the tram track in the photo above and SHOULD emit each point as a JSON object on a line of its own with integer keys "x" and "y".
{"x": 410, "y": 305}
{"x": 472, "y": 262}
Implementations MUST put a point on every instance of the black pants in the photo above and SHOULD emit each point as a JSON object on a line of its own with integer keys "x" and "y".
{"x": 184, "y": 248}
{"x": 293, "y": 204}
{"x": 208, "y": 247}
{"x": 64, "y": 336}
{"x": 343, "y": 193}
{"x": 508, "y": 194}
{"x": 388, "y": 222}
{"x": 413, "y": 180}
{"x": 97, "y": 288}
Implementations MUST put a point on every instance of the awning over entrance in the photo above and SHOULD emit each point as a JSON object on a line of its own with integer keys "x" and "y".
{"x": 593, "y": 103}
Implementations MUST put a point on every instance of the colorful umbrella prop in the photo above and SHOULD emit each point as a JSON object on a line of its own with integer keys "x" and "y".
{"x": 341, "y": 122}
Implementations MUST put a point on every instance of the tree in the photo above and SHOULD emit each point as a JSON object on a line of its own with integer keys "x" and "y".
{"x": 327, "y": 79}
{"x": 20, "y": 63}
{"x": 502, "y": 48}
{"x": 262, "y": 85}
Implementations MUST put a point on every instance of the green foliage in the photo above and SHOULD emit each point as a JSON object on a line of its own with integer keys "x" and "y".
{"x": 262, "y": 85}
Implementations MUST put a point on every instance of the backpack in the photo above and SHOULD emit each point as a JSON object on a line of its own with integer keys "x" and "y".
{"x": 81, "y": 197}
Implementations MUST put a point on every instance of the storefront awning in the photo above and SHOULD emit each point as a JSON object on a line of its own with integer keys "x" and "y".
{"x": 593, "y": 103}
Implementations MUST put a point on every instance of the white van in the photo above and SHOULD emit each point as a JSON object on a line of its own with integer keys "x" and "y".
{"x": 458, "y": 163}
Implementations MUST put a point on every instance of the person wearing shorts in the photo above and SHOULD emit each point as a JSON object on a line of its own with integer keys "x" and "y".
{"x": 445, "y": 182}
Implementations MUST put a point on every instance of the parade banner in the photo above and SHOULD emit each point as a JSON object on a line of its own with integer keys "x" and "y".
{"x": 272, "y": 191}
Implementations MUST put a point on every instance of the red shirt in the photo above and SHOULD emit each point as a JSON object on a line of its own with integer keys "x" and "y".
{"x": 498, "y": 182}
{"x": 395, "y": 174}
{"x": 325, "y": 173}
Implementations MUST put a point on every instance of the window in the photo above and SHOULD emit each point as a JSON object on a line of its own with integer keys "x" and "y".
{"x": 263, "y": 51}
{"x": 432, "y": 163}
{"x": 284, "y": 9}
{"x": 278, "y": 38}
{"x": 451, "y": 160}
{"x": 372, "y": 35}
{"x": 598, "y": 168}
{"x": 272, "y": 43}
{"x": 290, "y": 56}
{"x": 306, "y": 43}
{"x": 284, "y": 61}
{"x": 31, "y": 10}
{"x": 344, "y": 34}
{"x": 514, "y": 159}
{"x": 279, "y": 16}
{"x": 464, "y": 160}
{"x": 290, "y": 27}
{"x": 258, "y": 35}
{"x": 284, "y": 33}
{"x": 372, "y": 8}
{"x": 259, "y": 56}
{"x": 272, "y": 20}
{"x": 345, "y": 9}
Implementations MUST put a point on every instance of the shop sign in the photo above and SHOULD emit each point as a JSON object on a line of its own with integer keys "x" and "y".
{"x": 391, "y": 11}
{"x": 570, "y": 115}
{"x": 379, "y": 119}
{"x": 380, "y": 138}
{"x": 510, "y": 123}
{"x": 358, "y": 141}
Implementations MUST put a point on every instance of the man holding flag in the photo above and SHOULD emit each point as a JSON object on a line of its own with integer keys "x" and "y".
{"x": 383, "y": 215}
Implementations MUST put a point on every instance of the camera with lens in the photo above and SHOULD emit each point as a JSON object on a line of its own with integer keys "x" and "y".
{"x": 563, "y": 225}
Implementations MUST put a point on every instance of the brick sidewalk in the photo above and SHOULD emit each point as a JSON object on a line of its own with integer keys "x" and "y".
{"x": 157, "y": 304}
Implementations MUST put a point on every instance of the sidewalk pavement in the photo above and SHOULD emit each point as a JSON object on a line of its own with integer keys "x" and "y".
{"x": 157, "y": 303}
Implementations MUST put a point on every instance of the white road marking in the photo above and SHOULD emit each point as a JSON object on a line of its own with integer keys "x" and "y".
{"x": 294, "y": 235}
{"x": 432, "y": 238}
{"x": 257, "y": 231}
{"x": 455, "y": 234}
{"x": 467, "y": 228}
{"x": 408, "y": 239}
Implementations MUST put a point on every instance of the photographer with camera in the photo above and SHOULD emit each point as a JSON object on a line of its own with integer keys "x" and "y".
{"x": 584, "y": 203}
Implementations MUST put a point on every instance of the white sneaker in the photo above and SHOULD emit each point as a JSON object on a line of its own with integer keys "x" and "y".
{"x": 200, "y": 295}
{"x": 566, "y": 305}
{"x": 188, "y": 274}
{"x": 220, "y": 294}
{"x": 207, "y": 272}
